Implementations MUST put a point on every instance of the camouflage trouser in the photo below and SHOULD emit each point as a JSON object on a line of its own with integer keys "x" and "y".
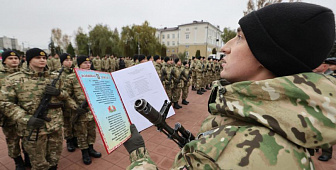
{"x": 176, "y": 94}
{"x": 12, "y": 140}
{"x": 185, "y": 91}
{"x": 327, "y": 152}
{"x": 193, "y": 79}
{"x": 169, "y": 92}
{"x": 86, "y": 133}
{"x": 46, "y": 151}
{"x": 199, "y": 84}
{"x": 68, "y": 127}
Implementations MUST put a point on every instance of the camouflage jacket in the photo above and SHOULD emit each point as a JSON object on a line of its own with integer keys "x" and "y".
{"x": 178, "y": 76}
{"x": 262, "y": 125}
{"x": 55, "y": 64}
{"x": 158, "y": 68}
{"x": 20, "y": 96}
{"x": 97, "y": 63}
{"x": 72, "y": 86}
{"x": 5, "y": 71}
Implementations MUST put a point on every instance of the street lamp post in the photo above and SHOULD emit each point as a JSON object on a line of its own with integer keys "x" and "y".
{"x": 89, "y": 43}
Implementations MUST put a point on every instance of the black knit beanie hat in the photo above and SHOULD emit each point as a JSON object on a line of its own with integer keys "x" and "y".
{"x": 156, "y": 57}
{"x": 176, "y": 60}
{"x": 135, "y": 57}
{"x": 141, "y": 57}
{"x": 64, "y": 56}
{"x": 198, "y": 57}
{"x": 184, "y": 63}
{"x": 290, "y": 38}
{"x": 7, "y": 54}
{"x": 31, "y": 53}
{"x": 166, "y": 59}
{"x": 193, "y": 57}
{"x": 81, "y": 59}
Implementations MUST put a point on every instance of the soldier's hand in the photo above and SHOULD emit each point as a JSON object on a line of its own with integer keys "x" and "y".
{"x": 35, "y": 122}
{"x": 81, "y": 111}
{"x": 50, "y": 90}
{"x": 136, "y": 141}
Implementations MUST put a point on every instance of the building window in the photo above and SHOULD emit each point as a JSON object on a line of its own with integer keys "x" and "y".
{"x": 187, "y": 36}
{"x": 162, "y": 36}
{"x": 187, "y": 29}
{"x": 173, "y": 35}
{"x": 167, "y": 36}
{"x": 173, "y": 43}
{"x": 167, "y": 43}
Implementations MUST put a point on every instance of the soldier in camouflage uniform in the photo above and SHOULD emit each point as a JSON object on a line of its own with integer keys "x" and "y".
{"x": 106, "y": 63}
{"x": 167, "y": 77}
{"x": 199, "y": 75}
{"x": 49, "y": 62}
{"x": 112, "y": 63}
{"x": 157, "y": 65}
{"x": 55, "y": 64}
{"x": 97, "y": 63}
{"x": 193, "y": 73}
{"x": 269, "y": 116}
{"x": 84, "y": 124}
{"x": 20, "y": 94}
{"x": 178, "y": 83}
{"x": 66, "y": 62}
{"x": 186, "y": 82}
{"x": 10, "y": 64}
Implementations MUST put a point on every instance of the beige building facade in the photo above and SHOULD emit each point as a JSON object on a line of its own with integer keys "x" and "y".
{"x": 191, "y": 37}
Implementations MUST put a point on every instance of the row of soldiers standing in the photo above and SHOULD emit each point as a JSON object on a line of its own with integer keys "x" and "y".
{"x": 21, "y": 92}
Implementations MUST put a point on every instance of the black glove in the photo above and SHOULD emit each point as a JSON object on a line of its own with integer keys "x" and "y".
{"x": 81, "y": 111}
{"x": 50, "y": 90}
{"x": 136, "y": 141}
{"x": 35, "y": 122}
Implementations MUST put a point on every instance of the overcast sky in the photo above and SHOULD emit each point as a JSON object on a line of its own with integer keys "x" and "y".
{"x": 31, "y": 21}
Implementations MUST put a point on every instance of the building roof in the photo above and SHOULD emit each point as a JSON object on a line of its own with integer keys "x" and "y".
{"x": 193, "y": 23}
{"x": 200, "y": 22}
{"x": 168, "y": 29}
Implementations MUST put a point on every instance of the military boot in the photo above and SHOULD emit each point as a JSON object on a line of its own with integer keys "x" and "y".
{"x": 75, "y": 142}
{"x": 199, "y": 92}
{"x": 70, "y": 145}
{"x": 19, "y": 164}
{"x": 53, "y": 167}
{"x": 175, "y": 105}
{"x": 185, "y": 102}
{"x": 207, "y": 87}
{"x": 203, "y": 90}
{"x": 93, "y": 152}
{"x": 26, "y": 160}
{"x": 86, "y": 157}
{"x": 193, "y": 88}
{"x": 178, "y": 105}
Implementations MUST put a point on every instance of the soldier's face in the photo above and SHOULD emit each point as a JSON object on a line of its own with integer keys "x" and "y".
{"x": 67, "y": 63}
{"x": 38, "y": 62}
{"x": 239, "y": 63}
{"x": 12, "y": 61}
{"x": 158, "y": 61}
{"x": 85, "y": 65}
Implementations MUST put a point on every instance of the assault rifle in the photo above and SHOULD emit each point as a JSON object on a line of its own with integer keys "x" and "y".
{"x": 179, "y": 135}
{"x": 42, "y": 110}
